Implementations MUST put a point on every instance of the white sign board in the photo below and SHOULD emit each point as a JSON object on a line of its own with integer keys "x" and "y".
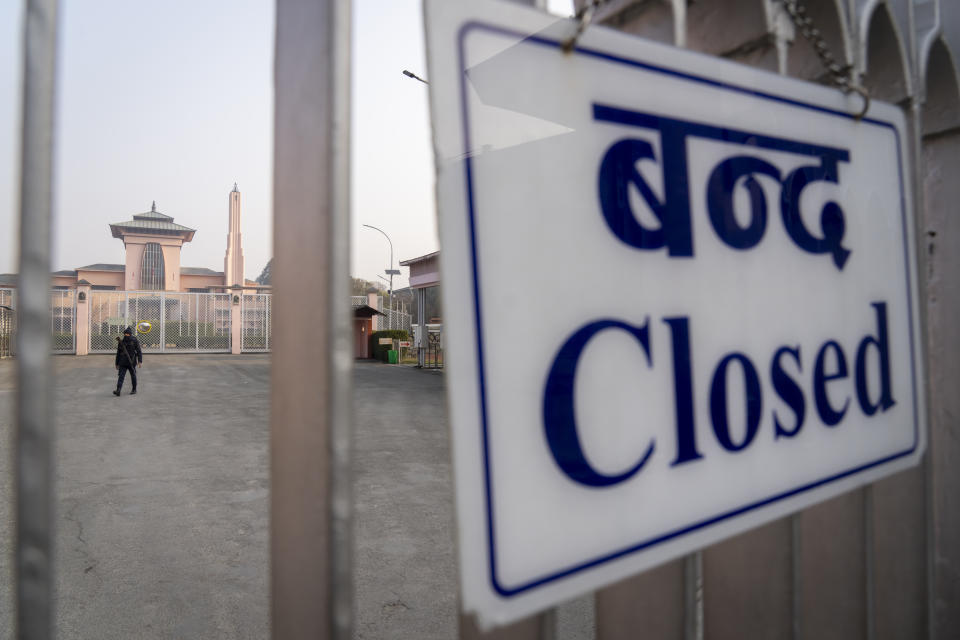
{"x": 680, "y": 294}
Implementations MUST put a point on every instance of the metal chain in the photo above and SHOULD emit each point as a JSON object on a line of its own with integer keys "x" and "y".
{"x": 589, "y": 7}
{"x": 804, "y": 23}
{"x": 584, "y": 16}
{"x": 839, "y": 74}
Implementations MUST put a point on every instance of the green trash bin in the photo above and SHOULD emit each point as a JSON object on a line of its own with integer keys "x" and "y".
{"x": 392, "y": 356}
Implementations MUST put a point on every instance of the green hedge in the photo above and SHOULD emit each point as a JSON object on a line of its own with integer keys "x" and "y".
{"x": 379, "y": 351}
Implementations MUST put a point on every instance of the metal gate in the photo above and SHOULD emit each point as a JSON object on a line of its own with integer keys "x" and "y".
{"x": 428, "y": 339}
{"x": 178, "y": 322}
{"x": 63, "y": 320}
{"x": 7, "y": 322}
{"x": 255, "y": 322}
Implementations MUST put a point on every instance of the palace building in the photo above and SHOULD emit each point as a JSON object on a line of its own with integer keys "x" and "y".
{"x": 152, "y": 242}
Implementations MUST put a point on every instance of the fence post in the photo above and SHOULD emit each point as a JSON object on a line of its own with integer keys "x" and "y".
{"x": 236, "y": 322}
{"x": 196, "y": 319}
{"x": 82, "y": 319}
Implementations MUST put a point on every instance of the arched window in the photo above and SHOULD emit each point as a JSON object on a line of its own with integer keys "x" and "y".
{"x": 151, "y": 268}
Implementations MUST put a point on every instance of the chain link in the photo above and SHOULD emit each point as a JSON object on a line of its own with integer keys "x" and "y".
{"x": 804, "y": 23}
{"x": 839, "y": 74}
{"x": 583, "y": 17}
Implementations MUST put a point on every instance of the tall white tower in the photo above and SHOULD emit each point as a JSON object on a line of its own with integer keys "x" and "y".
{"x": 233, "y": 262}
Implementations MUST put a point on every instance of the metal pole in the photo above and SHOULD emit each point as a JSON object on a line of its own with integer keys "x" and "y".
{"x": 390, "y": 272}
{"x": 693, "y": 596}
{"x": 311, "y": 395}
{"x": 34, "y": 430}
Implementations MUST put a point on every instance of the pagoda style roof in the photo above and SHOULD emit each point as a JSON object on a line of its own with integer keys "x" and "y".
{"x": 152, "y": 223}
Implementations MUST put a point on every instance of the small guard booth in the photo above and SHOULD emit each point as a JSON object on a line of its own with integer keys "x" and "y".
{"x": 362, "y": 328}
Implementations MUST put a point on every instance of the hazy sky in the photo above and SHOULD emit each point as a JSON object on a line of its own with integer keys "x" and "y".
{"x": 173, "y": 102}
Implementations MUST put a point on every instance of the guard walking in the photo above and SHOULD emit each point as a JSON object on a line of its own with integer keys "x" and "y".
{"x": 129, "y": 356}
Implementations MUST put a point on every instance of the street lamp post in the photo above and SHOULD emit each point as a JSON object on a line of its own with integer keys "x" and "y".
{"x": 390, "y": 272}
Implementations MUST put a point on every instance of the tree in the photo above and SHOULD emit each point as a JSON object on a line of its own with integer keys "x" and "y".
{"x": 265, "y": 275}
{"x": 360, "y": 287}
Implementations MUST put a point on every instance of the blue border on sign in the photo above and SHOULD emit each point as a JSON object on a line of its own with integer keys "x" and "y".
{"x": 507, "y": 591}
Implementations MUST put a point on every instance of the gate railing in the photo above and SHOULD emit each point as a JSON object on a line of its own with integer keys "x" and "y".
{"x": 179, "y": 322}
{"x": 428, "y": 340}
{"x": 63, "y": 325}
{"x": 175, "y": 322}
{"x": 63, "y": 320}
{"x": 255, "y": 322}
{"x": 8, "y": 319}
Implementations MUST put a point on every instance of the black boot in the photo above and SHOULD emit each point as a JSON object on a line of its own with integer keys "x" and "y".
{"x": 117, "y": 392}
{"x": 133, "y": 391}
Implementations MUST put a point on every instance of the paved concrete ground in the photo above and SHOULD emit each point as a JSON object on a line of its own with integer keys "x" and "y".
{"x": 162, "y": 498}
{"x": 405, "y": 569}
{"x": 163, "y": 503}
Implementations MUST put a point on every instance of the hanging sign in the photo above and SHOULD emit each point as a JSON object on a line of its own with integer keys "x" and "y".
{"x": 680, "y": 294}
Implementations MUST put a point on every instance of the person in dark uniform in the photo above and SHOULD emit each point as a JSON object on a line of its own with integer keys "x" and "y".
{"x": 129, "y": 356}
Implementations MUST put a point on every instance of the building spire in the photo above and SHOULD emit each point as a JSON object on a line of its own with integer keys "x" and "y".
{"x": 153, "y": 207}
{"x": 233, "y": 260}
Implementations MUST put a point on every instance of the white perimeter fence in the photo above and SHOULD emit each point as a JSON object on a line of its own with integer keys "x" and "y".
{"x": 391, "y": 318}
{"x": 63, "y": 314}
{"x": 178, "y": 322}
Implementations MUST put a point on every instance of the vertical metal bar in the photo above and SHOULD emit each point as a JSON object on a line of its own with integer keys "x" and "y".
{"x": 693, "y": 597}
{"x": 921, "y": 221}
{"x": 163, "y": 322}
{"x": 796, "y": 573}
{"x": 311, "y": 396}
{"x": 341, "y": 362}
{"x": 34, "y": 429}
{"x": 868, "y": 563}
{"x": 549, "y": 627}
